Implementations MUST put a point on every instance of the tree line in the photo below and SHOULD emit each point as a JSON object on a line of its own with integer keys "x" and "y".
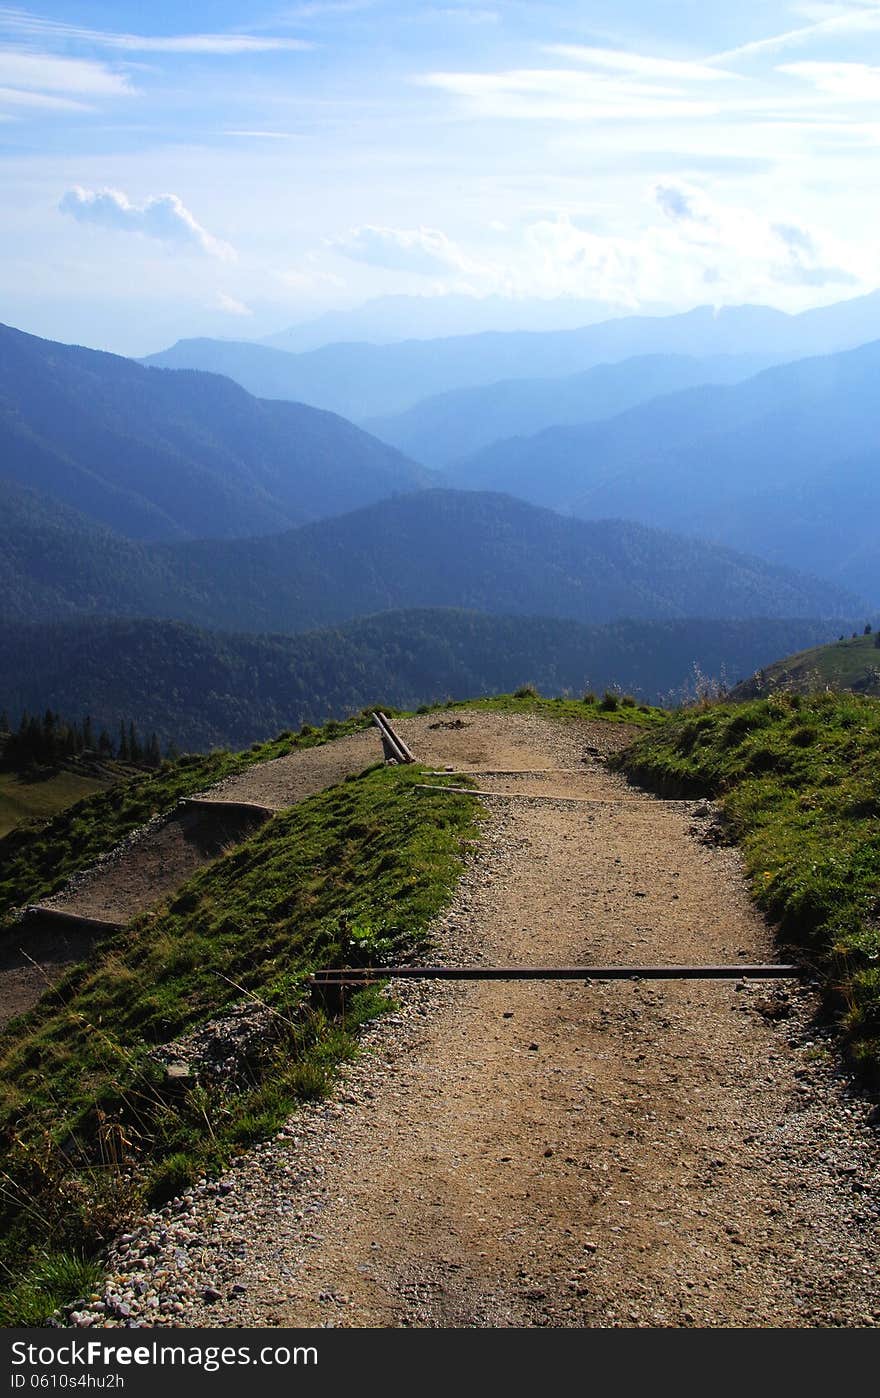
{"x": 45, "y": 741}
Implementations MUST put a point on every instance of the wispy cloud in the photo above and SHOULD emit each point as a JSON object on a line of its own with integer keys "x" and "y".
{"x": 23, "y": 23}
{"x": 851, "y": 82}
{"x": 265, "y": 135}
{"x": 44, "y": 72}
{"x": 17, "y": 97}
{"x": 321, "y": 9}
{"x": 850, "y": 21}
{"x": 164, "y": 217}
{"x": 568, "y": 94}
{"x": 638, "y": 64}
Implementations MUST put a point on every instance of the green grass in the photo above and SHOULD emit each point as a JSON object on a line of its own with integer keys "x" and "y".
{"x": 25, "y": 797}
{"x": 36, "y": 862}
{"x": 90, "y": 1131}
{"x": 52, "y": 1279}
{"x": 609, "y": 707}
{"x": 799, "y": 778}
{"x": 853, "y": 663}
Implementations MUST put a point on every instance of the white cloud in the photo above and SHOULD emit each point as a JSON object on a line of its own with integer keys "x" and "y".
{"x": 164, "y": 217}
{"x": 21, "y": 22}
{"x": 425, "y": 251}
{"x": 565, "y": 94}
{"x": 639, "y": 65}
{"x": 699, "y": 250}
{"x": 853, "y": 82}
{"x": 16, "y": 97}
{"x": 44, "y": 72}
{"x": 231, "y": 306}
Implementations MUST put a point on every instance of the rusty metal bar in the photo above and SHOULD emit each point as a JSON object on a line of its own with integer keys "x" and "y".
{"x": 363, "y": 975}
{"x": 537, "y": 796}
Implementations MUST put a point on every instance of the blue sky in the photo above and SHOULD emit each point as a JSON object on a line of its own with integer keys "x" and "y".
{"x": 237, "y": 168}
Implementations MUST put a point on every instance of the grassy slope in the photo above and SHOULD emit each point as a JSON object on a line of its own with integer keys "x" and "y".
{"x": 800, "y": 782}
{"x": 847, "y": 664}
{"x": 88, "y": 1130}
{"x": 24, "y": 797}
{"x": 34, "y": 863}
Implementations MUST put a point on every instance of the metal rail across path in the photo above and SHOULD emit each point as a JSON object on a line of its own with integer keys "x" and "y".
{"x": 363, "y": 975}
{"x": 341, "y": 976}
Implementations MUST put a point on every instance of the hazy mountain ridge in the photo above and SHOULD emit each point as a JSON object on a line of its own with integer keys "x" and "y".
{"x": 384, "y": 320}
{"x": 439, "y": 431}
{"x": 752, "y": 465}
{"x": 366, "y": 381}
{"x": 154, "y": 454}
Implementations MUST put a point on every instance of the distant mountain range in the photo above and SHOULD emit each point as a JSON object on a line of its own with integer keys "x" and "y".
{"x": 367, "y": 381}
{"x": 441, "y": 430}
{"x": 383, "y": 320}
{"x": 784, "y": 465}
{"x": 432, "y": 549}
{"x": 160, "y": 455}
{"x": 203, "y": 689}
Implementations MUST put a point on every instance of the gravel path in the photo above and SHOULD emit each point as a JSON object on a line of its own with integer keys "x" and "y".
{"x": 551, "y": 1154}
{"x": 286, "y": 780}
{"x": 155, "y": 860}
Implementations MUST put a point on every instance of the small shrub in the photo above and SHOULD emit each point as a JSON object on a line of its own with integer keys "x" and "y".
{"x": 609, "y": 702}
{"x": 589, "y": 697}
{"x": 526, "y": 691}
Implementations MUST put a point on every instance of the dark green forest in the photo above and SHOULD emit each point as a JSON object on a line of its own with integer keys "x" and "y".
{"x": 200, "y": 689}
{"x": 435, "y": 548}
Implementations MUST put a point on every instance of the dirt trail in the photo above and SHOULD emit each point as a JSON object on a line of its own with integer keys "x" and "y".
{"x": 553, "y": 1154}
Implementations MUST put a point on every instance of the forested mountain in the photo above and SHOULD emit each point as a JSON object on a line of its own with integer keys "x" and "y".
{"x": 365, "y": 381}
{"x": 200, "y": 689}
{"x": 783, "y": 464}
{"x": 161, "y": 455}
{"x": 440, "y": 430}
{"x": 54, "y": 563}
{"x": 431, "y": 549}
